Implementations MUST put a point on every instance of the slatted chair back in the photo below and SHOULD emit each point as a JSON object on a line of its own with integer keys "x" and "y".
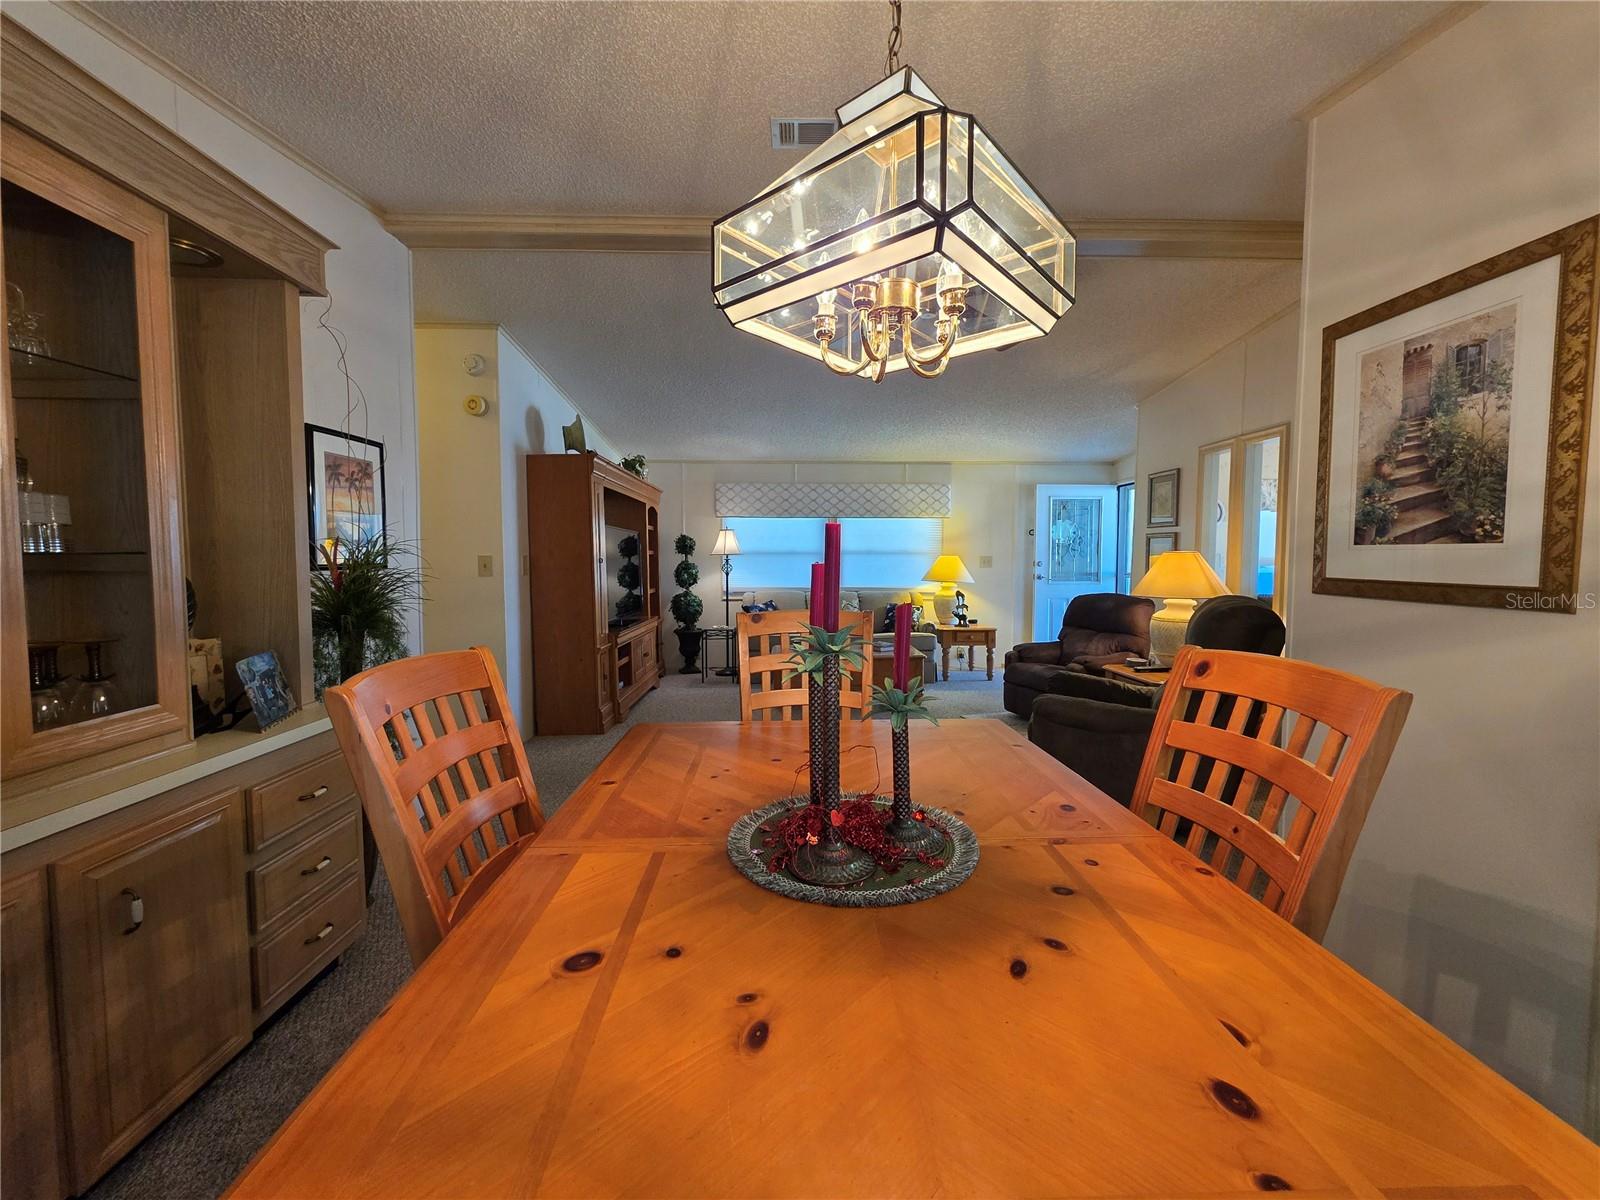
{"x": 1265, "y": 768}
{"x": 766, "y": 639}
{"x": 443, "y": 777}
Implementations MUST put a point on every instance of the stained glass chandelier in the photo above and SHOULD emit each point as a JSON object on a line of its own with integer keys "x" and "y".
{"x": 906, "y": 239}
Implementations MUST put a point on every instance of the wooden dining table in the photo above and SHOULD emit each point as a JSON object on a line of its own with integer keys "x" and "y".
{"x": 1093, "y": 1013}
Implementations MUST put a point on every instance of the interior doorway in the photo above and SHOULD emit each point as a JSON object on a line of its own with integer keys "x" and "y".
{"x": 1075, "y": 549}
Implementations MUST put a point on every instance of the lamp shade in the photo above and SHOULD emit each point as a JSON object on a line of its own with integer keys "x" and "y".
{"x": 1180, "y": 575}
{"x": 948, "y": 568}
{"x": 727, "y": 543}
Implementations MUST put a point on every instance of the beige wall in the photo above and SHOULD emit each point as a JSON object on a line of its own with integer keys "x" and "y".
{"x": 1472, "y": 895}
{"x": 1249, "y": 384}
{"x": 474, "y": 492}
{"x": 992, "y": 506}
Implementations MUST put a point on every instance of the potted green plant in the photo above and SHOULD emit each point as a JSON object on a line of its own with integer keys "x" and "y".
{"x": 686, "y": 606}
{"x": 1375, "y": 513}
{"x": 628, "y": 576}
{"x": 359, "y": 607}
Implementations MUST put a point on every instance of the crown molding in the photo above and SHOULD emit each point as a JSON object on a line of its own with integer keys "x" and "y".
{"x": 1448, "y": 19}
{"x": 181, "y": 78}
{"x": 1097, "y": 237}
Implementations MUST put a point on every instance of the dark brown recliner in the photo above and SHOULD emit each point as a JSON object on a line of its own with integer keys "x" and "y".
{"x": 1095, "y": 629}
{"x": 1100, "y": 726}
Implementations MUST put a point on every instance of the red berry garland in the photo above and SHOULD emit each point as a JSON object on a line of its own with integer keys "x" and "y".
{"x": 859, "y": 821}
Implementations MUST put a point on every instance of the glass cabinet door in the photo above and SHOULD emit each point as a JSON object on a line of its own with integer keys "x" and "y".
{"x": 94, "y": 625}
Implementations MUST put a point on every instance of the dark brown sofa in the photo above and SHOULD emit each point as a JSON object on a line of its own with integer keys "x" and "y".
{"x": 1100, "y": 726}
{"x": 1099, "y": 628}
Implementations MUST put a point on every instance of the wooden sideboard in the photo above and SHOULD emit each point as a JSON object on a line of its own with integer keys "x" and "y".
{"x": 141, "y": 950}
{"x": 589, "y": 667}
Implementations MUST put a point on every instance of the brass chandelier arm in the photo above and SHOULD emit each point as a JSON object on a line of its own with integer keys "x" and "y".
{"x": 947, "y": 341}
{"x": 839, "y": 364}
{"x": 925, "y": 372}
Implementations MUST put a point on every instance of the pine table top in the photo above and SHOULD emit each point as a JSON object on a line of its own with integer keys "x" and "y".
{"x": 1091, "y": 1014}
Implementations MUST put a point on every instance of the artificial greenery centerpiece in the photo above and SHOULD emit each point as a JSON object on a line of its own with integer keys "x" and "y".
{"x": 900, "y": 706}
{"x": 359, "y": 606}
{"x": 810, "y": 651}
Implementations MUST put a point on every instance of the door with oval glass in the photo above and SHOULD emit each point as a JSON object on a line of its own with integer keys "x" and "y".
{"x": 1074, "y": 544}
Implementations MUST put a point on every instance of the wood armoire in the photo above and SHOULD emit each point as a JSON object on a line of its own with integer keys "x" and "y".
{"x": 590, "y": 666}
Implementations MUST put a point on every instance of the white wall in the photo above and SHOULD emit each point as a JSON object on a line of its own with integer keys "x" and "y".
{"x": 1472, "y": 895}
{"x": 992, "y": 507}
{"x": 475, "y": 494}
{"x": 368, "y": 276}
{"x": 1249, "y": 384}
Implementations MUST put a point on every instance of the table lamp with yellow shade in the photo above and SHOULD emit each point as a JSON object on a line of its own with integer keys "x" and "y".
{"x": 947, "y": 571}
{"x": 1178, "y": 578}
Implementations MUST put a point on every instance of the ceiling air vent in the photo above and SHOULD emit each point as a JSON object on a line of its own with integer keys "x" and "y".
{"x": 801, "y": 133}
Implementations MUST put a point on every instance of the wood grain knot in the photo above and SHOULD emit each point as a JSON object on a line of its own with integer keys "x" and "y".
{"x": 1058, "y": 841}
{"x": 1203, "y": 667}
{"x": 748, "y": 997}
{"x": 1069, "y": 808}
{"x": 584, "y": 960}
{"x": 1234, "y": 1100}
{"x": 959, "y": 812}
{"x": 1019, "y": 968}
{"x": 1062, "y": 889}
{"x": 756, "y": 1036}
{"x": 674, "y": 952}
{"x": 608, "y": 783}
{"x": 1091, "y": 862}
{"x": 1267, "y": 1182}
{"x": 1054, "y": 943}
{"x": 1238, "y": 1034}
{"x": 1206, "y": 870}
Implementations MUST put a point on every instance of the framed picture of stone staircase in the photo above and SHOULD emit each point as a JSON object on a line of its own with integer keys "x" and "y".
{"x": 1454, "y": 434}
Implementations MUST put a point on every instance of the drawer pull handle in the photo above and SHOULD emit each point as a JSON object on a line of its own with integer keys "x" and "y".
{"x": 321, "y": 866}
{"x": 322, "y": 933}
{"x": 135, "y": 910}
{"x": 314, "y": 794}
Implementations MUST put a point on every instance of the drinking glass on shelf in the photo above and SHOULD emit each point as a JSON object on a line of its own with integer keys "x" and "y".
{"x": 44, "y": 686}
{"x": 22, "y": 326}
{"x": 96, "y": 695}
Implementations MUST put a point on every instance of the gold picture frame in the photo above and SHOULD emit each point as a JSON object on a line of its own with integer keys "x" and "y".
{"x": 1573, "y": 309}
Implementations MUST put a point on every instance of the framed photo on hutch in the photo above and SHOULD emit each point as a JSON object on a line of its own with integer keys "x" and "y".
{"x": 345, "y": 489}
{"x": 1454, "y": 434}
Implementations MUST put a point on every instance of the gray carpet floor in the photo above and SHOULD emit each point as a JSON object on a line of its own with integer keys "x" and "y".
{"x": 199, "y": 1150}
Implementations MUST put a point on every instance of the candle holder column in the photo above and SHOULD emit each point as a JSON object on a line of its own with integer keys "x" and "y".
{"x": 829, "y": 861}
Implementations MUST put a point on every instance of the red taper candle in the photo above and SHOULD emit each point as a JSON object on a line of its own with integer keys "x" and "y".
{"x": 831, "y": 533}
{"x": 902, "y": 646}
{"x": 819, "y": 588}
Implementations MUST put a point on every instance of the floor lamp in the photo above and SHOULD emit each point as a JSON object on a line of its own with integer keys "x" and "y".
{"x": 727, "y": 546}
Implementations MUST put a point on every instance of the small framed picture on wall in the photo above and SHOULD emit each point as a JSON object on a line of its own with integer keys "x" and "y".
{"x": 1158, "y": 543}
{"x": 1161, "y": 494}
{"x": 345, "y": 491}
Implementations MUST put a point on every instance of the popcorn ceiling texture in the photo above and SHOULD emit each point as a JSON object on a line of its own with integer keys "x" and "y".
{"x": 1113, "y": 109}
{"x": 634, "y": 342}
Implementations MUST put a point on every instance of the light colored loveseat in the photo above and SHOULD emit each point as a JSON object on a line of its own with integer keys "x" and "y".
{"x": 880, "y": 601}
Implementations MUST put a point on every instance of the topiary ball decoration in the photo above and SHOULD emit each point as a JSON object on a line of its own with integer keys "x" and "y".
{"x": 686, "y": 574}
{"x": 683, "y": 544}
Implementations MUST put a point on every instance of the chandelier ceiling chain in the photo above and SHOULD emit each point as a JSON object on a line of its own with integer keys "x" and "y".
{"x": 891, "y": 64}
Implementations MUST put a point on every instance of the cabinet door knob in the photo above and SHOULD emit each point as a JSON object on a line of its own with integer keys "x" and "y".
{"x": 320, "y": 934}
{"x": 135, "y": 910}
{"x": 321, "y": 866}
{"x": 314, "y": 794}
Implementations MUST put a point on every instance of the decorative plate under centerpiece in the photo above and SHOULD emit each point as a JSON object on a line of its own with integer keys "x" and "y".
{"x": 754, "y": 845}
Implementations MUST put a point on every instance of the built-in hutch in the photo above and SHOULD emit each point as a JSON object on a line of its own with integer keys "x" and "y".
{"x": 597, "y": 645}
{"x": 161, "y": 895}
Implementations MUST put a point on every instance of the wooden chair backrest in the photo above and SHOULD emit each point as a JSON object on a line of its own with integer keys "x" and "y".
{"x": 442, "y": 774}
{"x": 1265, "y": 767}
{"x": 766, "y": 640}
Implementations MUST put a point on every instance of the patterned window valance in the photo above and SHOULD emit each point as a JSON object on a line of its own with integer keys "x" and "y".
{"x": 833, "y": 499}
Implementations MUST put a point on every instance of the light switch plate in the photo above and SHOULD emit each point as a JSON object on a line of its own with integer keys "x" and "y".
{"x": 485, "y": 566}
{"x": 986, "y": 560}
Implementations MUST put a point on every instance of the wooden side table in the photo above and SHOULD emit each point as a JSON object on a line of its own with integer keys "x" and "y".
{"x": 1127, "y": 674}
{"x": 965, "y": 635}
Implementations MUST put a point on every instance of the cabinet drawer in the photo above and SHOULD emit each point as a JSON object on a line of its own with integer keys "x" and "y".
{"x": 308, "y": 941}
{"x": 301, "y": 795}
{"x": 301, "y": 870}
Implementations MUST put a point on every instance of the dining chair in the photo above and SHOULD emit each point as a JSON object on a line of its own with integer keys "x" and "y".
{"x": 1299, "y": 751}
{"x": 439, "y": 765}
{"x": 766, "y": 639}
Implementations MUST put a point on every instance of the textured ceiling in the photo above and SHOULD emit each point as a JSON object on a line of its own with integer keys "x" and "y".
{"x": 1113, "y": 109}
{"x": 633, "y": 340}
